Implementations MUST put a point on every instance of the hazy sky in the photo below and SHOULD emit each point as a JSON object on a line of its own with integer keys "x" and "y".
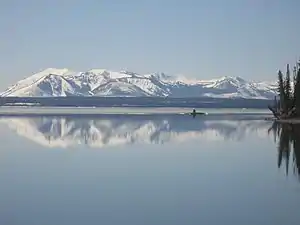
{"x": 204, "y": 39}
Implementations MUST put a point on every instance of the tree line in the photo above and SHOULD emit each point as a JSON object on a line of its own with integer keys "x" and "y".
{"x": 288, "y": 104}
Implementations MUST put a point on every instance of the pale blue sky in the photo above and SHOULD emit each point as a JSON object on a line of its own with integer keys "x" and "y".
{"x": 204, "y": 39}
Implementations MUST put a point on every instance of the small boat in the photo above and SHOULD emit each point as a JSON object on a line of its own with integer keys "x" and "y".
{"x": 198, "y": 113}
{"x": 194, "y": 113}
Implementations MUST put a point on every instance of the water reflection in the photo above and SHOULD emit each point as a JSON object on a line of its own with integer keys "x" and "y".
{"x": 112, "y": 130}
{"x": 288, "y": 138}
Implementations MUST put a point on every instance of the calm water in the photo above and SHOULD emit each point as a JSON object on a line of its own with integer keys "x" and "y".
{"x": 121, "y": 110}
{"x": 151, "y": 169}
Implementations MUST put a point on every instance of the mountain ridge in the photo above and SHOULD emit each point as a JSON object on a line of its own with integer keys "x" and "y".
{"x": 53, "y": 82}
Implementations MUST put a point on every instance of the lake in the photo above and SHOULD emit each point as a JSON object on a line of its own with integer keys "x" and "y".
{"x": 222, "y": 168}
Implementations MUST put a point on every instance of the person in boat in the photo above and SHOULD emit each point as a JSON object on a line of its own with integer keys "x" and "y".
{"x": 194, "y": 113}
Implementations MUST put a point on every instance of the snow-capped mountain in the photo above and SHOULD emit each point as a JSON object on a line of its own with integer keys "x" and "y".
{"x": 100, "y": 82}
{"x": 108, "y": 131}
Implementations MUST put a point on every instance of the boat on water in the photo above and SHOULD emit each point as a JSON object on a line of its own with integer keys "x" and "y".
{"x": 198, "y": 113}
{"x": 194, "y": 113}
{"x": 92, "y": 111}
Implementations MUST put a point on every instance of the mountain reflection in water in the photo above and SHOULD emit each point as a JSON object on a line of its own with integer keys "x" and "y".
{"x": 112, "y": 130}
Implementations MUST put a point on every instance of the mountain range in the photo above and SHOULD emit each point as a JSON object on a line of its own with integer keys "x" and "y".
{"x": 53, "y": 82}
{"x": 108, "y": 131}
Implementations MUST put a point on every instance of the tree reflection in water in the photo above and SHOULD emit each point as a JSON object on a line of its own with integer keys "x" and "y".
{"x": 288, "y": 138}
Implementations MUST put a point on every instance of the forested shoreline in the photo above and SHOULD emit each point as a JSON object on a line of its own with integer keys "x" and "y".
{"x": 287, "y": 104}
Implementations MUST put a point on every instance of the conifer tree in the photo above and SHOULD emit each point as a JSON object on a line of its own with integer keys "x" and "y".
{"x": 289, "y": 96}
{"x": 297, "y": 92}
{"x": 294, "y": 83}
{"x": 287, "y": 89}
{"x": 281, "y": 90}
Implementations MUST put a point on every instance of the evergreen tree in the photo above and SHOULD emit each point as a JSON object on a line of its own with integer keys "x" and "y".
{"x": 287, "y": 89}
{"x": 281, "y": 90}
{"x": 294, "y": 83}
{"x": 289, "y": 96}
{"x": 297, "y": 92}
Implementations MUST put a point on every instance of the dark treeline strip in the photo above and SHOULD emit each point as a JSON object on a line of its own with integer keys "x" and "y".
{"x": 78, "y": 101}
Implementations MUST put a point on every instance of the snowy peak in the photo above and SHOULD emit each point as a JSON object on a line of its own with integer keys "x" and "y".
{"x": 36, "y": 78}
{"x": 227, "y": 82}
{"x": 101, "y": 82}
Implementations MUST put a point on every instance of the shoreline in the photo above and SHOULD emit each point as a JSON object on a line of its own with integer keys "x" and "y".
{"x": 137, "y": 111}
{"x": 290, "y": 121}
